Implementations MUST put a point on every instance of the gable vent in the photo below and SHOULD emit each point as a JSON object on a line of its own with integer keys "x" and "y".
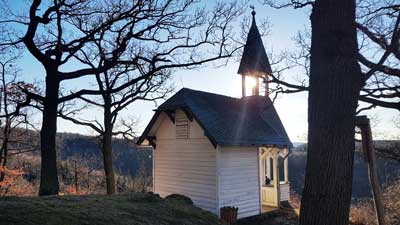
{"x": 181, "y": 126}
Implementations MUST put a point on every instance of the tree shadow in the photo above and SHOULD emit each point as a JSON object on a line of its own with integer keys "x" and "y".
{"x": 285, "y": 215}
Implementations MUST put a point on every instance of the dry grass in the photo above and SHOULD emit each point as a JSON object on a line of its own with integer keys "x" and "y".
{"x": 392, "y": 203}
{"x": 295, "y": 202}
{"x": 362, "y": 213}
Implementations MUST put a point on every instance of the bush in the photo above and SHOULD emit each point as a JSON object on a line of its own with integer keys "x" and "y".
{"x": 178, "y": 197}
{"x": 362, "y": 213}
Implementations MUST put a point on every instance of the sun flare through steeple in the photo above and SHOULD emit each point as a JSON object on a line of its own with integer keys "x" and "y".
{"x": 254, "y": 63}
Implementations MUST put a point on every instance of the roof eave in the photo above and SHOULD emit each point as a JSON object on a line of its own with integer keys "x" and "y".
{"x": 276, "y": 145}
{"x": 148, "y": 128}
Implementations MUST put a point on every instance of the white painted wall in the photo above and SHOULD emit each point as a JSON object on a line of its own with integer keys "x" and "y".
{"x": 238, "y": 180}
{"x": 212, "y": 178}
{"x": 284, "y": 192}
{"x": 185, "y": 166}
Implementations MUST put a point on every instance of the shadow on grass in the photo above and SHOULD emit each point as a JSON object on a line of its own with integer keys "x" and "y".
{"x": 285, "y": 215}
{"x": 133, "y": 209}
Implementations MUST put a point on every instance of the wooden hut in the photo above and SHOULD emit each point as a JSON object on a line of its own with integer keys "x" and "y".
{"x": 219, "y": 150}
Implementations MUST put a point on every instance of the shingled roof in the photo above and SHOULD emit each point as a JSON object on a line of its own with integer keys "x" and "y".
{"x": 227, "y": 121}
{"x": 254, "y": 59}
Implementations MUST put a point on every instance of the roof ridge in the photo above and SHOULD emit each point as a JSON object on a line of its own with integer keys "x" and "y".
{"x": 209, "y": 93}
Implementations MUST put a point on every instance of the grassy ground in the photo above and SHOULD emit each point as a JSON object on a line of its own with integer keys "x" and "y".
{"x": 134, "y": 209}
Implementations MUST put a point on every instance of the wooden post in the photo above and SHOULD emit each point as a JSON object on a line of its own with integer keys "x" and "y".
{"x": 268, "y": 169}
{"x": 76, "y": 177}
{"x": 286, "y": 168}
{"x": 243, "y": 86}
{"x": 370, "y": 157}
{"x": 266, "y": 85}
{"x": 257, "y": 87}
{"x": 276, "y": 170}
{"x": 261, "y": 173}
{"x": 88, "y": 180}
{"x": 276, "y": 178}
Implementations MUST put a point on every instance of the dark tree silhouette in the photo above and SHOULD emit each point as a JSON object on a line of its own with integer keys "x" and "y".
{"x": 336, "y": 83}
{"x": 378, "y": 26}
{"x": 334, "y": 86}
{"x": 13, "y": 126}
{"x": 378, "y": 31}
{"x": 147, "y": 35}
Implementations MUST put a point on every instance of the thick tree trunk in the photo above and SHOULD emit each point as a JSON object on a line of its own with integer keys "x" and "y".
{"x": 6, "y": 132}
{"x": 107, "y": 148}
{"x": 4, "y": 149}
{"x": 108, "y": 164}
{"x": 48, "y": 174}
{"x": 335, "y": 82}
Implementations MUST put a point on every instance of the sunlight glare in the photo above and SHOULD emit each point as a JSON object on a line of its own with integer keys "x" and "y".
{"x": 250, "y": 83}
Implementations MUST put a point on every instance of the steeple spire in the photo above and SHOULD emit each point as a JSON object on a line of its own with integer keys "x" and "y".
{"x": 253, "y": 13}
{"x": 254, "y": 60}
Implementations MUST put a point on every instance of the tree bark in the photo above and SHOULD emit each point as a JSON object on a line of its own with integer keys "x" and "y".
{"x": 6, "y": 133}
{"x": 335, "y": 82}
{"x": 4, "y": 149}
{"x": 107, "y": 147}
{"x": 48, "y": 174}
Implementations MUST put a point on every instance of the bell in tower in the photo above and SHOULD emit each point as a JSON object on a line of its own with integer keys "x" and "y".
{"x": 254, "y": 62}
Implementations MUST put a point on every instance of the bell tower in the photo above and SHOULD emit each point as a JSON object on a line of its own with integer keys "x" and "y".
{"x": 254, "y": 63}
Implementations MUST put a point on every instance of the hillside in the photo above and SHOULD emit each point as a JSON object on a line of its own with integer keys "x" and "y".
{"x": 128, "y": 159}
{"x": 133, "y": 209}
{"x": 388, "y": 170}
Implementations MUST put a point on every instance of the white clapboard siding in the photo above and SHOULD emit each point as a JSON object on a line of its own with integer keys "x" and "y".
{"x": 186, "y": 164}
{"x": 238, "y": 179}
{"x": 284, "y": 192}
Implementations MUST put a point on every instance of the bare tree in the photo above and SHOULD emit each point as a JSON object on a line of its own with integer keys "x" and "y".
{"x": 147, "y": 35}
{"x": 13, "y": 126}
{"x": 378, "y": 32}
{"x": 6, "y": 66}
{"x": 378, "y": 26}
{"x": 151, "y": 88}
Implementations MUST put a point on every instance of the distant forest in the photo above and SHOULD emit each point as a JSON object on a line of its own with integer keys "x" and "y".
{"x": 389, "y": 171}
{"x": 130, "y": 159}
{"x": 127, "y": 159}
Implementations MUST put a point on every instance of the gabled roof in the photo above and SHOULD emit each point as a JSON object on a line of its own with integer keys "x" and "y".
{"x": 254, "y": 58}
{"x": 227, "y": 121}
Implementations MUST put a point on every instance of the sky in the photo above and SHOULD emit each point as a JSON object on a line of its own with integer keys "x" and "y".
{"x": 292, "y": 108}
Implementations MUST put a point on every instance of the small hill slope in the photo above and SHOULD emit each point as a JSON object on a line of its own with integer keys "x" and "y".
{"x": 133, "y": 209}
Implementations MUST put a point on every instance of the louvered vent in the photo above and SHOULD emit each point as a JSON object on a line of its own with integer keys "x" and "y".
{"x": 182, "y": 126}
